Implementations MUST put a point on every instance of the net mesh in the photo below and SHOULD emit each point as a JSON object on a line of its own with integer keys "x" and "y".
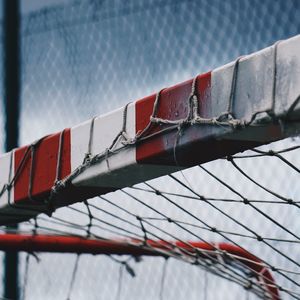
{"x": 201, "y": 204}
{"x": 89, "y": 57}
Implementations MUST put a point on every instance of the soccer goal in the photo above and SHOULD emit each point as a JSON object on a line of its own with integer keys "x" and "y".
{"x": 149, "y": 183}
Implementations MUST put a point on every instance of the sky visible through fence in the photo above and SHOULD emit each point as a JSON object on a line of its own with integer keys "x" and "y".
{"x": 84, "y": 58}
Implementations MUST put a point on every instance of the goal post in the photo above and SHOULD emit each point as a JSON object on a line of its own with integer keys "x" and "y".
{"x": 119, "y": 157}
{"x": 244, "y": 104}
{"x": 222, "y": 253}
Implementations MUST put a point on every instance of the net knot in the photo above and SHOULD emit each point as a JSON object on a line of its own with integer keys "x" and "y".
{"x": 249, "y": 285}
{"x": 214, "y": 121}
{"x": 259, "y": 238}
{"x": 157, "y": 192}
{"x": 229, "y": 158}
{"x": 271, "y": 153}
{"x": 87, "y": 158}
{"x": 214, "y": 229}
{"x": 273, "y": 269}
{"x": 8, "y": 186}
{"x": 246, "y": 201}
{"x": 235, "y": 123}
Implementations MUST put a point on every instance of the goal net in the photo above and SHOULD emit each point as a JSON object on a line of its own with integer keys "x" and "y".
{"x": 200, "y": 217}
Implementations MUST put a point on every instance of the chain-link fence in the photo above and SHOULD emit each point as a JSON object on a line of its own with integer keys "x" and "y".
{"x": 84, "y": 58}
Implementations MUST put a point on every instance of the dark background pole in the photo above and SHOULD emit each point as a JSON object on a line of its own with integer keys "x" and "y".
{"x": 11, "y": 86}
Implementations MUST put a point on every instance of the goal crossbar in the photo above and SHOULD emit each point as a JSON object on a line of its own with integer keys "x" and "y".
{"x": 249, "y": 102}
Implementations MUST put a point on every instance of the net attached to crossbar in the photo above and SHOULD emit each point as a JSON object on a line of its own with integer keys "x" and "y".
{"x": 226, "y": 229}
{"x": 197, "y": 216}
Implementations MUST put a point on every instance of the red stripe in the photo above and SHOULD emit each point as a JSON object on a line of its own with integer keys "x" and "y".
{"x": 173, "y": 105}
{"x": 194, "y": 145}
{"x": 44, "y": 169}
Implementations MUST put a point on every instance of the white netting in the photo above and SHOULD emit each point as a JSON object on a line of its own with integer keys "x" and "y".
{"x": 89, "y": 57}
{"x": 201, "y": 204}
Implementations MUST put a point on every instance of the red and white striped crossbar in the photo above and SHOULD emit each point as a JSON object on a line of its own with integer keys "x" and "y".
{"x": 79, "y": 245}
{"x": 267, "y": 81}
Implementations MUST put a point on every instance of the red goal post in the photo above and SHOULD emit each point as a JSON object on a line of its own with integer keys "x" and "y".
{"x": 213, "y": 251}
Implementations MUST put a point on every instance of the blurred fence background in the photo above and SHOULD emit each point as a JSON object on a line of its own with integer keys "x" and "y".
{"x": 84, "y": 58}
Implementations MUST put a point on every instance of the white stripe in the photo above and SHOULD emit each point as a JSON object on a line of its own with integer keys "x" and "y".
{"x": 106, "y": 128}
{"x": 253, "y": 92}
{"x": 288, "y": 74}
{"x": 4, "y": 178}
